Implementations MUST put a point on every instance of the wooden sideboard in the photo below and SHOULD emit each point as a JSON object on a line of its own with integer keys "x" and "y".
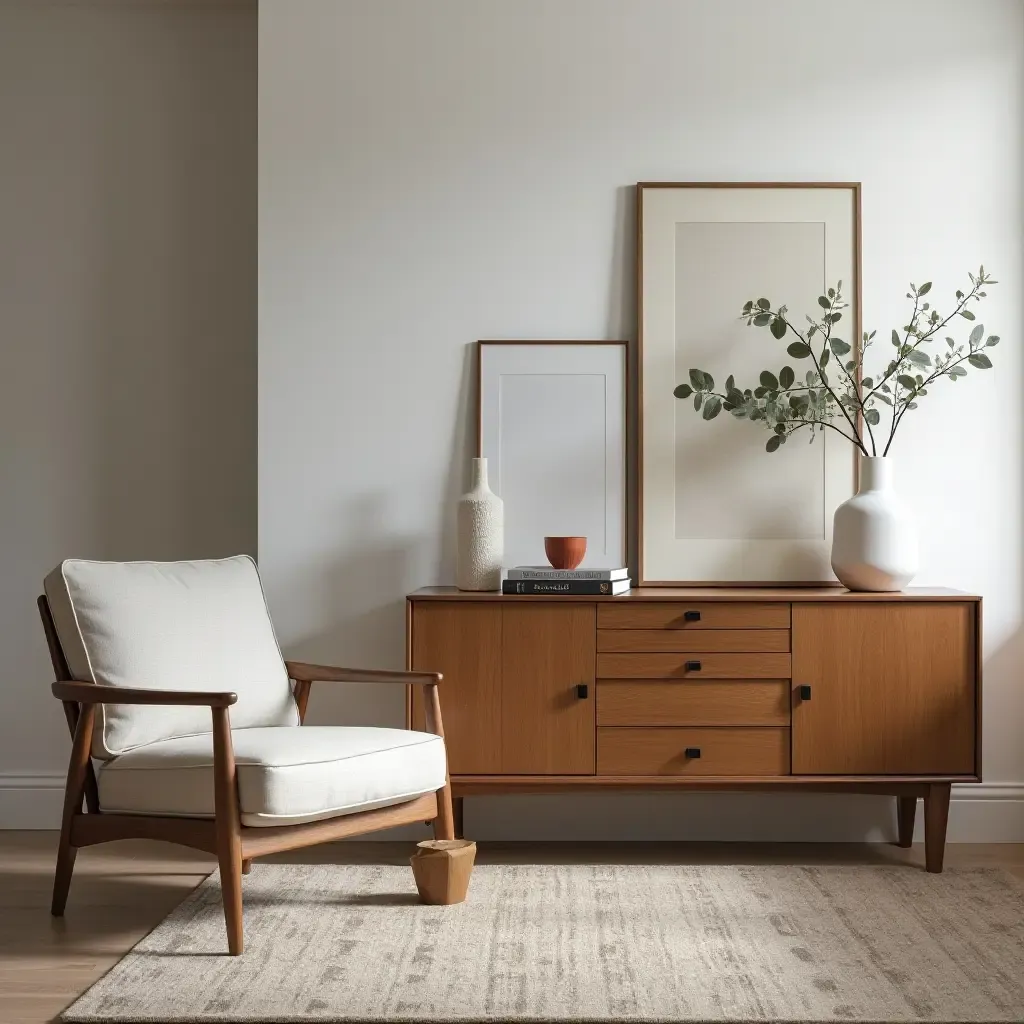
{"x": 813, "y": 688}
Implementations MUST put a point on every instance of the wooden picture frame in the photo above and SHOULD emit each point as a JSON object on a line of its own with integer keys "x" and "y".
{"x": 713, "y": 507}
{"x": 560, "y": 472}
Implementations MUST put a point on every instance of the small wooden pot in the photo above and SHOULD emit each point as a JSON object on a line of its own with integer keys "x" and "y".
{"x": 565, "y": 552}
{"x": 442, "y": 868}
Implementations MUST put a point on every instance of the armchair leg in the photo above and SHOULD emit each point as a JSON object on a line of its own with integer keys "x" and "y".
{"x": 73, "y": 791}
{"x": 228, "y": 828}
{"x": 444, "y": 823}
{"x": 62, "y": 876}
{"x": 247, "y": 866}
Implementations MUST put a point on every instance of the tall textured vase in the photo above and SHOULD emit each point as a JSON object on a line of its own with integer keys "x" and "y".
{"x": 481, "y": 535}
{"x": 874, "y": 544}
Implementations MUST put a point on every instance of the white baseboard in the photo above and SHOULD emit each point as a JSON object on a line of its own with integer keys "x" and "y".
{"x": 31, "y": 801}
{"x": 990, "y": 812}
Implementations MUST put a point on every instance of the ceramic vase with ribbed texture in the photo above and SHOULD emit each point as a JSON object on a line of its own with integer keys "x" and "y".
{"x": 481, "y": 535}
{"x": 874, "y": 544}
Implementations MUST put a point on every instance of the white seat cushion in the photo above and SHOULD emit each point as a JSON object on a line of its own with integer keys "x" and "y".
{"x": 200, "y": 625}
{"x": 285, "y": 775}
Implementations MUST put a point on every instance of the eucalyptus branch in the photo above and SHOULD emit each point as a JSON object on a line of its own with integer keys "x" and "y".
{"x": 856, "y": 439}
{"x": 785, "y": 407}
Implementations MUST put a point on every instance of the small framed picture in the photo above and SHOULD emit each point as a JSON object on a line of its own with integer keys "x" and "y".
{"x": 552, "y": 426}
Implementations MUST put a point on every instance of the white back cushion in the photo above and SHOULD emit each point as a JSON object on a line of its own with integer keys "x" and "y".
{"x": 170, "y": 626}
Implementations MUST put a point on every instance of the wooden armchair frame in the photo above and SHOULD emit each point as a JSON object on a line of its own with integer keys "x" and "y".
{"x": 234, "y": 844}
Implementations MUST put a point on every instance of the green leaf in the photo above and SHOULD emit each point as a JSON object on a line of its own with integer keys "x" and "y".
{"x": 895, "y": 337}
{"x": 762, "y": 320}
{"x": 773, "y": 443}
{"x": 798, "y": 350}
{"x": 980, "y": 360}
{"x": 764, "y": 304}
{"x": 966, "y": 314}
{"x": 809, "y": 378}
{"x": 778, "y": 327}
{"x": 919, "y": 358}
{"x": 872, "y": 416}
{"x": 730, "y": 383}
{"x": 709, "y": 381}
{"x": 823, "y": 361}
{"x": 907, "y": 382}
{"x": 993, "y": 339}
{"x": 683, "y": 391}
{"x": 834, "y": 318}
{"x": 839, "y": 347}
{"x": 977, "y": 334}
{"x": 735, "y": 396}
{"x": 957, "y": 371}
{"x": 697, "y": 380}
{"x": 925, "y": 288}
{"x": 787, "y": 376}
{"x": 697, "y": 399}
{"x": 769, "y": 381}
{"x": 951, "y": 343}
{"x": 712, "y": 407}
{"x": 823, "y": 302}
{"x": 748, "y": 306}
{"x": 883, "y": 398}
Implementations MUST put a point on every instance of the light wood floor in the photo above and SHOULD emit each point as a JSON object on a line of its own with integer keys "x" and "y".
{"x": 122, "y": 890}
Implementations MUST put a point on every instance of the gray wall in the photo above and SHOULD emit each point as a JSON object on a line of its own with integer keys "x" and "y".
{"x": 128, "y": 237}
{"x": 433, "y": 173}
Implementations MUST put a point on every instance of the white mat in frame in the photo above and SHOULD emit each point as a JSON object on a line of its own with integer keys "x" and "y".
{"x": 552, "y": 425}
{"x": 714, "y": 507}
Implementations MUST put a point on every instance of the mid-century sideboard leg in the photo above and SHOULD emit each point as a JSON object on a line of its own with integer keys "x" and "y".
{"x": 457, "y": 811}
{"x": 906, "y": 811}
{"x": 936, "y": 814}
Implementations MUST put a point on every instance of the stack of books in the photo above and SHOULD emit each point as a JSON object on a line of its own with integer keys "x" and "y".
{"x": 542, "y": 579}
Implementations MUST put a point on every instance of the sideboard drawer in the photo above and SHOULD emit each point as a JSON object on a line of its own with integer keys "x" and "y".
{"x": 679, "y": 615}
{"x": 720, "y": 751}
{"x": 697, "y": 665}
{"x": 726, "y": 641}
{"x": 701, "y": 702}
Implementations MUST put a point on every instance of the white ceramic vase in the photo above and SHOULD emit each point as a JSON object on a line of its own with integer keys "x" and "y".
{"x": 481, "y": 534}
{"x": 874, "y": 544}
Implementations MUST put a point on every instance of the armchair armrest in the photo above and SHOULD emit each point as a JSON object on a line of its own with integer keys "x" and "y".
{"x": 93, "y": 693}
{"x": 303, "y": 672}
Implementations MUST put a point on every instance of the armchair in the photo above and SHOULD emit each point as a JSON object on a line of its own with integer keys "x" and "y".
{"x": 230, "y": 770}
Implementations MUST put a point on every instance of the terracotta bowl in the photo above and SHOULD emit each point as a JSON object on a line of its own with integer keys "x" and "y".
{"x": 565, "y": 552}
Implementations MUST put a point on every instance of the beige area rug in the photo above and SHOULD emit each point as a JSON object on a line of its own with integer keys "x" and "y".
{"x": 586, "y": 943}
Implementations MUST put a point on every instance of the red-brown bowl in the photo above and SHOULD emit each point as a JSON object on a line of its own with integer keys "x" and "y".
{"x": 565, "y": 552}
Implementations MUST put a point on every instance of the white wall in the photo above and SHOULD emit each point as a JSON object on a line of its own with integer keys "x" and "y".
{"x": 127, "y": 318}
{"x": 435, "y": 173}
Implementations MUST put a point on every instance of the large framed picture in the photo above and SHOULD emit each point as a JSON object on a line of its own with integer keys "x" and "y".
{"x": 552, "y": 426}
{"x": 714, "y": 507}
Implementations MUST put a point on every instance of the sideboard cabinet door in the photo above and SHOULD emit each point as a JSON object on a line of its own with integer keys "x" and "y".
{"x": 891, "y": 688}
{"x": 548, "y": 697}
{"x": 462, "y": 640}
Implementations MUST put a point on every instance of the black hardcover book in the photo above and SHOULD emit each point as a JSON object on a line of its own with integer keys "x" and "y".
{"x": 581, "y": 588}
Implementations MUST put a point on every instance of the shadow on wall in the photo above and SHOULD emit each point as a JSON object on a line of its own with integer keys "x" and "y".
{"x": 361, "y": 591}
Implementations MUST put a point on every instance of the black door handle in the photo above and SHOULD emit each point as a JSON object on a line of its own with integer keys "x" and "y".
{"x": 581, "y": 691}
{"x": 692, "y": 752}
{"x": 693, "y": 666}
{"x": 691, "y": 616}
{"x": 805, "y": 692}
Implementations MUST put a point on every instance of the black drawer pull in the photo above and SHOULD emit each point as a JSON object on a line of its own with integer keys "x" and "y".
{"x": 693, "y": 666}
{"x": 692, "y": 752}
{"x": 691, "y": 616}
{"x": 805, "y": 692}
{"x": 581, "y": 691}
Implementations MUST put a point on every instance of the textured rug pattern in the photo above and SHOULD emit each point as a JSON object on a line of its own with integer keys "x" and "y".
{"x": 585, "y": 943}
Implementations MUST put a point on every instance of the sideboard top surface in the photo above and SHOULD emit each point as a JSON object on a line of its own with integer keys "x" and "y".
{"x": 794, "y": 594}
